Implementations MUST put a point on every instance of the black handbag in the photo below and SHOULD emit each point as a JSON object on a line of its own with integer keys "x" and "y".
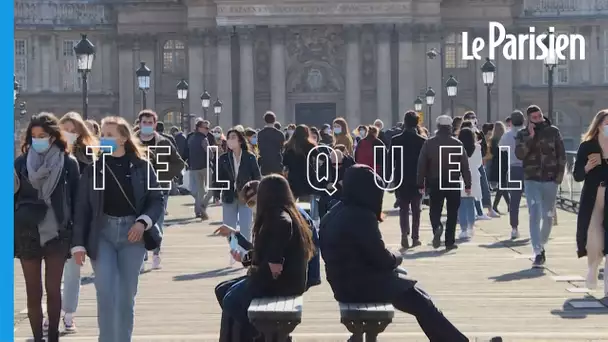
{"x": 30, "y": 213}
{"x": 153, "y": 236}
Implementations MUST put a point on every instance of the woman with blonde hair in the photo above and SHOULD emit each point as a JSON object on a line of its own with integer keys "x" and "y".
{"x": 342, "y": 135}
{"x": 591, "y": 166}
{"x": 93, "y": 127}
{"x": 110, "y": 225}
{"x": 498, "y": 166}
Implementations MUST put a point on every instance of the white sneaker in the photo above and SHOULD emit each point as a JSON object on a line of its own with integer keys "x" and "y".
{"x": 514, "y": 234}
{"x": 471, "y": 232}
{"x": 69, "y": 325}
{"x": 142, "y": 269}
{"x": 463, "y": 235}
{"x": 483, "y": 217}
{"x": 493, "y": 214}
{"x": 45, "y": 327}
{"x": 156, "y": 262}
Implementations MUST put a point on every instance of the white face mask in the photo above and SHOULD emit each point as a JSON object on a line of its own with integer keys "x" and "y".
{"x": 362, "y": 134}
{"x": 290, "y": 132}
{"x": 71, "y": 137}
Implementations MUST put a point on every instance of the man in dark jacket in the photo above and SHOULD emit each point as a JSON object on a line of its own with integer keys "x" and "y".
{"x": 408, "y": 194}
{"x": 197, "y": 158}
{"x": 180, "y": 140}
{"x": 270, "y": 145}
{"x": 441, "y": 164}
{"x": 541, "y": 149}
{"x": 160, "y": 129}
{"x": 358, "y": 266}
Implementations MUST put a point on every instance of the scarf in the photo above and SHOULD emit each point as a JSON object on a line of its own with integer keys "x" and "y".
{"x": 79, "y": 154}
{"x": 44, "y": 171}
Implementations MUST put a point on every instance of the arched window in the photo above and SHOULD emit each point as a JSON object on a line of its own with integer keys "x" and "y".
{"x": 453, "y": 52}
{"x": 174, "y": 56}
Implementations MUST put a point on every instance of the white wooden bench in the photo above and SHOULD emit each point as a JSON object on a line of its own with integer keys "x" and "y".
{"x": 366, "y": 319}
{"x": 276, "y": 317}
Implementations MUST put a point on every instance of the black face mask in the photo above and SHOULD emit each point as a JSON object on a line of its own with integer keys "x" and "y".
{"x": 540, "y": 125}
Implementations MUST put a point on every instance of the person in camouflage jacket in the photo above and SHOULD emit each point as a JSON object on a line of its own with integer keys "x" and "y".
{"x": 541, "y": 149}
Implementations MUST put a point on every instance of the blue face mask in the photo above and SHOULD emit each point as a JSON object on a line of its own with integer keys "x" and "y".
{"x": 146, "y": 130}
{"x": 254, "y": 141}
{"x": 40, "y": 145}
{"x": 337, "y": 130}
{"x": 108, "y": 144}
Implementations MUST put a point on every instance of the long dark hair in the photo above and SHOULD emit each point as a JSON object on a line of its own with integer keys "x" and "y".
{"x": 274, "y": 197}
{"x": 467, "y": 137}
{"x": 241, "y": 137}
{"x": 50, "y": 124}
{"x": 300, "y": 142}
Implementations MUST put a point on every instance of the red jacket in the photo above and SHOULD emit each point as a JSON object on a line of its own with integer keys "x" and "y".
{"x": 364, "y": 154}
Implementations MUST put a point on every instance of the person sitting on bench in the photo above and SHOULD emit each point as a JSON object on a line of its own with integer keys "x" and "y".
{"x": 360, "y": 269}
{"x": 277, "y": 259}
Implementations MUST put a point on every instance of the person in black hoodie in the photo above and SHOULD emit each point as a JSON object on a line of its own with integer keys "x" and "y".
{"x": 358, "y": 266}
{"x": 277, "y": 259}
{"x": 45, "y": 200}
{"x": 408, "y": 194}
{"x": 344, "y": 161}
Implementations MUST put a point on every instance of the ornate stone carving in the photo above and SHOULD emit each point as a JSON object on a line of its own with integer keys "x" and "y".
{"x": 58, "y": 13}
{"x": 369, "y": 8}
{"x": 316, "y": 43}
{"x": 368, "y": 60}
{"x": 316, "y": 77}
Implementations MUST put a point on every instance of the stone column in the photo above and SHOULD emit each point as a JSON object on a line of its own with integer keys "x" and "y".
{"x": 224, "y": 77}
{"x": 38, "y": 65}
{"x": 383, "y": 60}
{"x": 148, "y": 46}
{"x": 247, "y": 84}
{"x": 195, "y": 73}
{"x": 407, "y": 88}
{"x": 96, "y": 76}
{"x": 56, "y": 64}
{"x": 126, "y": 78}
{"x": 210, "y": 63}
{"x": 106, "y": 64}
{"x": 46, "y": 54}
{"x": 278, "y": 100}
{"x": 353, "y": 76}
{"x": 504, "y": 88}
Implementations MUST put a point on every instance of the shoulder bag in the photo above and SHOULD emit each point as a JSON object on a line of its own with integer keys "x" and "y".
{"x": 152, "y": 237}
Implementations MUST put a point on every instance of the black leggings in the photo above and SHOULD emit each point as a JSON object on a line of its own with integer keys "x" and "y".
{"x": 501, "y": 193}
{"x": 53, "y": 263}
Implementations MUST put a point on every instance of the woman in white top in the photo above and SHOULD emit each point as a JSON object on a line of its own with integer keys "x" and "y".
{"x": 466, "y": 212}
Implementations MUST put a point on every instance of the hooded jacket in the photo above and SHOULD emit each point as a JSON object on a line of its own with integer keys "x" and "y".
{"x": 358, "y": 266}
{"x": 543, "y": 156}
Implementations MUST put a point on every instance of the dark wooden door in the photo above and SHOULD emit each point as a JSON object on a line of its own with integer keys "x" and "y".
{"x": 315, "y": 114}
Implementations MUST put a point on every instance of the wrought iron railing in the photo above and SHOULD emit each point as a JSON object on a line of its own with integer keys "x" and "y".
{"x": 569, "y": 192}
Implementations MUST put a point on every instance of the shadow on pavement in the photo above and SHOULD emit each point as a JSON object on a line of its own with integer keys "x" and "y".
{"x": 569, "y": 312}
{"x": 506, "y": 243}
{"x": 209, "y": 274}
{"x": 178, "y": 221}
{"x": 529, "y": 273}
{"x": 425, "y": 254}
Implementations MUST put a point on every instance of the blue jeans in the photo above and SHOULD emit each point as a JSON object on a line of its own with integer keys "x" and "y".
{"x": 161, "y": 220}
{"x": 71, "y": 286}
{"x": 486, "y": 197}
{"x": 116, "y": 278}
{"x": 238, "y": 215}
{"x": 516, "y": 173}
{"x": 198, "y": 190}
{"x": 235, "y": 305}
{"x": 541, "y": 203}
{"x": 466, "y": 213}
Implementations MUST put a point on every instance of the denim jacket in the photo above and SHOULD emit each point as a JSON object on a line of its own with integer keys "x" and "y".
{"x": 149, "y": 204}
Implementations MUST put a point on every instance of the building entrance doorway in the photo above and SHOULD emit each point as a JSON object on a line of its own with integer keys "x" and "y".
{"x": 315, "y": 114}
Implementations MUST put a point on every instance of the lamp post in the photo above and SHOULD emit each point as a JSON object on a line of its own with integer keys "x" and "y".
{"x": 143, "y": 80}
{"x": 205, "y": 102}
{"x": 430, "y": 99}
{"x": 217, "y": 109}
{"x": 451, "y": 86}
{"x": 16, "y": 89}
{"x": 488, "y": 70}
{"x": 550, "y": 63}
{"x": 182, "y": 95}
{"x": 85, "y": 54}
{"x": 418, "y": 104}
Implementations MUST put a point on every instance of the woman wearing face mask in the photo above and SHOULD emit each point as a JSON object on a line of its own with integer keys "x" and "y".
{"x": 236, "y": 168}
{"x": 220, "y": 139}
{"x": 326, "y": 135}
{"x": 289, "y": 132}
{"x": 110, "y": 224}
{"x": 341, "y": 135}
{"x": 78, "y": 138}
{"x": 48, "y": 179}
{"x": 252, "y": 140}
{"x": 591, "y": 166}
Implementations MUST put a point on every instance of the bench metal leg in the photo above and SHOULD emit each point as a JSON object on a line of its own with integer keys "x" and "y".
{"x": 371, "y": 329}
{"x": 275, "y": 331}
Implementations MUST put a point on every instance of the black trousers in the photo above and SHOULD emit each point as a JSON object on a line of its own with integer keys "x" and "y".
{"x": 435, "y": 325}
{"x": 452, "y": 199}
{"x": 406, "y": 203}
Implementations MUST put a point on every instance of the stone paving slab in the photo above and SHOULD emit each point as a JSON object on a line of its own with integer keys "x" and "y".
{"x": 486, "y": 287}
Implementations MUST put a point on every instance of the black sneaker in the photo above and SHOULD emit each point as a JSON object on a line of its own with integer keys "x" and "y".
{"x": 539, "y": 260}
{"x": 416, "y": 243}
{"x": 437, "y": 232}
{"x": 405, "y": 243}
{"x": 451, "y": 247}
{"x": 496, "y": 339}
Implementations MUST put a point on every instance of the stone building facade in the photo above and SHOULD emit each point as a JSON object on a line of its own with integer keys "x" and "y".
{"x": 306, "y": 61}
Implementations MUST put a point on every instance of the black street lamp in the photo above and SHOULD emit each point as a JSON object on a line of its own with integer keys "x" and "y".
{"x": 451, "y": 86}
{"x": 143, "y": 80}
{"x": 16, "y": 89}
{"x": 551, "y": 63}
{"x": 85, "y": 54}
{"x": 205, "y": 102}
{"x": 182, "y": 95}
{"x": 430, "y": 99}
{"x": 217, "y": 109}
{"x": 488, "y": 70}
{"x": 418, "y": 104}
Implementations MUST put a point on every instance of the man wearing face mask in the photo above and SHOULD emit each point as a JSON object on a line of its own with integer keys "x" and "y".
{"x": 164, "y": 158}
{"x": 197, "y": 159}
{"x": 541, "y": 149}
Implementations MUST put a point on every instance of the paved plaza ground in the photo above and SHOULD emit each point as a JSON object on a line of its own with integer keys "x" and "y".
{"x": 486, "y": 287}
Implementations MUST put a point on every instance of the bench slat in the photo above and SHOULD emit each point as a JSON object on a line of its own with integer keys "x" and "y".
{"x": 366, "y": 311}
{"x": 276, "y": 308}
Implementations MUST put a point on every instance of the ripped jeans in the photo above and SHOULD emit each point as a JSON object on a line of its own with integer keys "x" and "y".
{"x": 540, "y": 197}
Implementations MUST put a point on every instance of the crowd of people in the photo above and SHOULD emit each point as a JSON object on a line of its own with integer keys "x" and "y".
{"x": 64, "y": 216}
